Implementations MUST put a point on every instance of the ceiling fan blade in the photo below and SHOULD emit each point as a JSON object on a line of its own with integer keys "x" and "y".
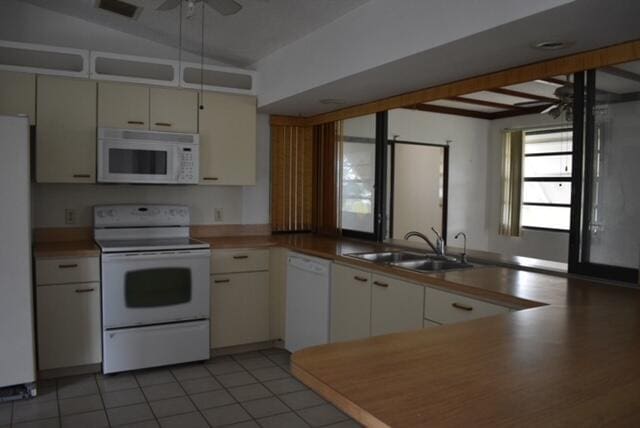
{"x": 225, "y": 7}
{"x": 548, "y": 109}
{"x": 532, "y": 104}
{"x": 169, "y": 4}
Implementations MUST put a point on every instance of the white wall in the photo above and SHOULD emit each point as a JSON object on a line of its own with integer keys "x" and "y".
{"x": 379, "y": 32}
{"x": 532, "y": 243}
{"x": 467, "y": 166}
{"x": 240, "y": 205}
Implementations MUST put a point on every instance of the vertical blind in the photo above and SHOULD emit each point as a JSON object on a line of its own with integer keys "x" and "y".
{"x": 304, "y": 181}
{"x": 511, "y": 183}
{"x": 292, "y": 178}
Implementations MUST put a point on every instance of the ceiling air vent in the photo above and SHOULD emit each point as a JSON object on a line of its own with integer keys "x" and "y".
{"x": 120, "y": 7}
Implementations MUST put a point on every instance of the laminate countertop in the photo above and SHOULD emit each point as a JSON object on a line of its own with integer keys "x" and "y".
{"x": 66, "y": 249}
{"x": 569, "y": 358}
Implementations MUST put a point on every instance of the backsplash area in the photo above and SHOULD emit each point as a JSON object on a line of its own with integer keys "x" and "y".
{"x": 239, "y": 205}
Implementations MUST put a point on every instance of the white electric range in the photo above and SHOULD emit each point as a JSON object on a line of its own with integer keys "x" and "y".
{"x": 155, "y": 287}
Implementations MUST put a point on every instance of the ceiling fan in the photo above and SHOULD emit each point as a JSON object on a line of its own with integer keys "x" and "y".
{"x": 564, "y": 104}
{"x": 223, "y": 7}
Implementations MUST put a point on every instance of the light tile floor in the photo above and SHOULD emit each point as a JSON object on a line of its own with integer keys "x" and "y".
{"x": 253, "y": 389}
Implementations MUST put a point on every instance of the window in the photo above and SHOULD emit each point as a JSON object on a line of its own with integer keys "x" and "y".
{"x": 358, "y": 179}
{"x": 547, "y": 169}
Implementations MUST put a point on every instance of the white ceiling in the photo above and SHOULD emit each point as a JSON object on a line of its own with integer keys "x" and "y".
{"x": 589, "y": 24}
{"x": 260, "y": 28}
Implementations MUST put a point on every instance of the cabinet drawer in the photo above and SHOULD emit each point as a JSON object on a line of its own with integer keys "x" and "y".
{"x": 248, "y": 260}
{"x": 67, "y": 270}
{"x": 448, "y": 308}
{"x": 69, "y": 331}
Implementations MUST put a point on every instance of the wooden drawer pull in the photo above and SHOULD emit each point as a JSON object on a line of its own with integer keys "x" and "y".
{"x": 221, "y": 281}
{"x": 461, "y": 306}
{"x": 210, "y": 178}
{"x": 135, "y": 122}
{"x": 85, "y": 290}
{"x": 381, "y": 284}
{"x": 69, "y": 266}
{"x": 162, "y": 124}
{"x": 359, "y": 278}
{"x": 81, "y": 175}
{"x": 240, "y": 257}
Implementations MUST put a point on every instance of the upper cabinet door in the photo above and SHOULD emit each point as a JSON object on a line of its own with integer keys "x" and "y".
{"x": 18, "y": 94}
{"x": 123, "y": 106}
{"x": 228, "y": 139}
{"x": 174, "y": 110}
{"x": 66, "y": 131}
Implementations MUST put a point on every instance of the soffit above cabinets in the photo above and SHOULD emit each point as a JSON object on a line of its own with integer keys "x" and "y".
{"x": 53, "y": 60}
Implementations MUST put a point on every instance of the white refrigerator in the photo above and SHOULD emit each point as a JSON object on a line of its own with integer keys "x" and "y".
{"x": 17, "y": 348}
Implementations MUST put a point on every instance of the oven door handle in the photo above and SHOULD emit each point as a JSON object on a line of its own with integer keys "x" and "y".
{"x": 173, "y": 255}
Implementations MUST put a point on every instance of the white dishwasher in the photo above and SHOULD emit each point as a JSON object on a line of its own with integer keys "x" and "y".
{"x": 308, "y": 299}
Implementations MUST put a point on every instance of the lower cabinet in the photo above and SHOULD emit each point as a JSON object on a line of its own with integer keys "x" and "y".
{"x": 239, "y": 308}
{"x": 395, "y": 305}
{"x": 350, "y": 304}
{"x": 69, "y": 331}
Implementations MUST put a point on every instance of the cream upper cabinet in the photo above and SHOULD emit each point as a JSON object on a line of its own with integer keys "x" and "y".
{"x": 228, "y": 139}
{"x": 173, "y": 110}
{"x": 66, "y": 131}
{"x": 350, "y": 303}
{"x": 395, "y": 305}
{"x": 123, "y": 106}
{"x": 18, "y": 94}
{"x": 239, "y": 308}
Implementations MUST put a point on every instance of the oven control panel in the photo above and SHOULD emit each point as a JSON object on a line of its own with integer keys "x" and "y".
{"x": 141, "y": 215}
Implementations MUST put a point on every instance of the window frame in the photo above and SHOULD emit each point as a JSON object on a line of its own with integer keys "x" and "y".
{"x": 526, "y": 179}
{"x": 379, "y": 187}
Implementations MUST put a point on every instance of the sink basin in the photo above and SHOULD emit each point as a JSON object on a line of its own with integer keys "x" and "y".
{"x": 389, "y": 256}
{"x": 432, "y": 264}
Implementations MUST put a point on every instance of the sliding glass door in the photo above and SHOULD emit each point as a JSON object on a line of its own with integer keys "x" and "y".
{"x": 605, "y": 237}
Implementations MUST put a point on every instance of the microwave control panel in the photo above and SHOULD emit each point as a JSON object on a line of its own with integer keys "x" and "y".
{"x": 188, "y": 171}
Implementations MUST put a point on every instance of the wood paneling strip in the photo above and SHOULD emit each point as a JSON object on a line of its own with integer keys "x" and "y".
{"x": 292, "y": 176}
{"x": 624, "y": 52}
{"x": 327, "y": 137}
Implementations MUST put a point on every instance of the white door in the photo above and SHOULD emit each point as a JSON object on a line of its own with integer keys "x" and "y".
{"x": 350, "y": 303}
{"x": 152, "y": 288}
{"x": 395, "y": 306}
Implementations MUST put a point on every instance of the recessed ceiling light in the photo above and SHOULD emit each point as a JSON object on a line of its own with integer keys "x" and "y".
{"x": 333, "y": 101}
{"x": 551, "y": 45}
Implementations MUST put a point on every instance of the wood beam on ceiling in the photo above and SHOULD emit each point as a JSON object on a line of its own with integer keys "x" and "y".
{"x": 483, "y": 103}
{"x": 520, "y": 94}
{"x": 619, "y": 72}
{"x": 277, "y": 120}
{"x": 450, "y": 110}
{"x": 617, "y": 54}
{"x": 518, "y": 112}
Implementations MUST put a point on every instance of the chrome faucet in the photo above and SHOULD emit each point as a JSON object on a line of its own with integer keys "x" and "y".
{"x": 438, "y": 248}
{"x": 463, "y": 256}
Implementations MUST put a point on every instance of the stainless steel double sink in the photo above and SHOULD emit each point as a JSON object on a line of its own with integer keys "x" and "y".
{"x": 418, "y": 262}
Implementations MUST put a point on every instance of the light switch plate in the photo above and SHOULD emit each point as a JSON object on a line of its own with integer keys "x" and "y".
{"x": 217, "y": 214}
{"x": 70, "y": 216}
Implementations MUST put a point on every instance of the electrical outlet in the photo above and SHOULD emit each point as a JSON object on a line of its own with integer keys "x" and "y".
{"x": 70, "y": 216}
{"x": 217, "y": 214}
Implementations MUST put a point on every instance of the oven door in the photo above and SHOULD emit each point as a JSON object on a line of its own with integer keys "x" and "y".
{"x": 130, "y": 161}
{"x": 154, "y": 287}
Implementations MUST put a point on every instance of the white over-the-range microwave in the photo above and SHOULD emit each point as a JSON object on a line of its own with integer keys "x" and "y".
{"x": 147, "y": 157}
